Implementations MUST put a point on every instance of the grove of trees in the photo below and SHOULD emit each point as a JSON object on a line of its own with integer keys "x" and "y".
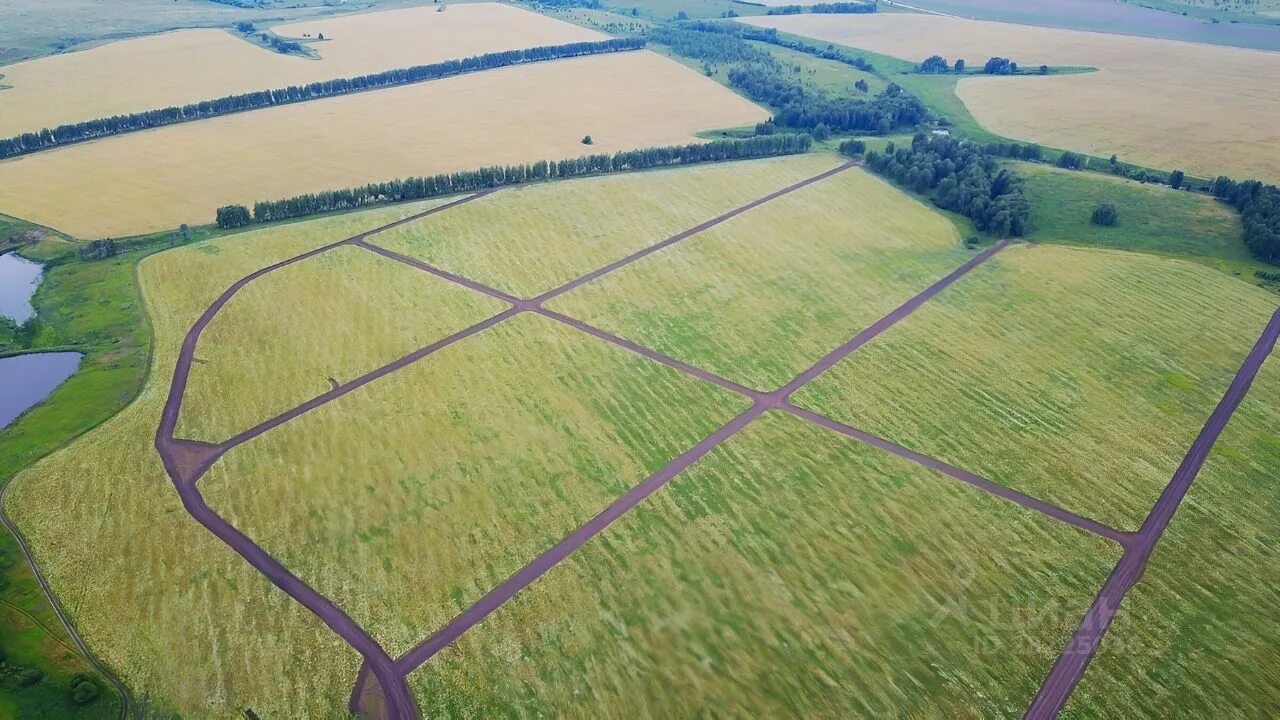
{"x": 1259, "y": 207}
{"x": 77, "y": 132}
{"x": 417, "y": 188}
{"x": 962, "y": 177}
{"x": 934, "y": 64}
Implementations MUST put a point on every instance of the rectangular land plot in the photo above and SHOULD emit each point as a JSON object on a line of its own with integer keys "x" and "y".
{"x": 193, "y": 65}
{"x": 529, "y": 240}
{"x": 792, "y": 572}
{"x": 763, "y": 296}
{"x": 1079, "y": 377}
{"x": 300, "y": 330}
{"x": 408, "y": 499}
{"x": 1199, "y": 635}
{"x": 1206, "y": 109}
{"x": 139, "y": 182}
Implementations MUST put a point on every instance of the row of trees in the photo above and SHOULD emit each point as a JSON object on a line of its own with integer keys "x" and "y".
{"x": 418, "y": 188}
{"x": 1259, "y": 207}
{"x": 829, "y": 8}
{"x": 65, "y": 134}
{"x": 936, "y": 64}
{"x": 802, "y": 109}
{"x": 962, "y": 177}
{"x": 708, "y": 46}
{"x": 770, "y": 36}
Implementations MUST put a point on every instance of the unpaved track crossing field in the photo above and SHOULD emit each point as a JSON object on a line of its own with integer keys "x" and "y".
{"x": 1205, "y": 109}
{"x": 995, "y": 377}
{"x": 573, "y": 500}
{"x": 188, "y": 66}
{"x": 137, "y": 183}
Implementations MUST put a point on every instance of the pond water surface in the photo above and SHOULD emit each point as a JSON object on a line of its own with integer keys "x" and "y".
{"x": 25, "y": 380}
{"x": 18, "y": 280}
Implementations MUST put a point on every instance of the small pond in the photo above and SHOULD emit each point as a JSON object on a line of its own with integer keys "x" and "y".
{"x": 18, "y": 280}
{"x": 26, "y": 380}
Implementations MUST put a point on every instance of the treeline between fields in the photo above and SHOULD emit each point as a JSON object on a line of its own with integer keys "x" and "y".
{"x": 837, "y": 8}
{"x": 119, "y": 124}
{"x": 958, "y": 176}
{"x": 1259, "y": 207}
{"x": 761, "y": 77}
{"x": 420, "y": 188}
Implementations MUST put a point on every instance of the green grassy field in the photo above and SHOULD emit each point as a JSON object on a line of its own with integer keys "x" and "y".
{"x": 409, "y": 499}
{"x": 1153, "y": 218}
{"x": 792, "y": 572}
{"x": 140, "y": 579}
{"x": 1197, "y": 637}
{"x": 531, "y": 239}
{"x": 764, "y": 295}
{"x": 329, "y": 318}
{"x": 1079, "y": 377}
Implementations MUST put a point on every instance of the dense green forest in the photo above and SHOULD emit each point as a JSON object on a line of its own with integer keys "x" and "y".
{"x": 418, "y": 188}
{"x": 78, "y": 132}
{"x": 1259, "y": 207}
{"x": 962, "y": 177}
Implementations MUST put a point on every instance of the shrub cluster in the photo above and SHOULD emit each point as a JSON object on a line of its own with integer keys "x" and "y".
{"x": 961, "y": 177}
{"x": 77, "y": 132}
{"x": 417, "y": 188}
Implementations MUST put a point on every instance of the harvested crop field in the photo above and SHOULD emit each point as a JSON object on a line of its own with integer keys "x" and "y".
{"x": 1075, "y": 376}
{"x": 764, "y": 295}
{"x": 184, "y": 621}
{"x": 528, "y": 240}
{"x": 1197, "y": 636}
{"x": 293, "y": 334}
{"x": 792, "y": 572}
{"x": 192, "y": 65}
{"x": 138, "y": 182}
{"x": 1204, "y": 109}
{"x": 410, "y": 498}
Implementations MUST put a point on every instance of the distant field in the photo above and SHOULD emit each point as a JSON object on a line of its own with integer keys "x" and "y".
{"x": 1184, "y": 20}
{"x": 149, "y": 589}
{"x": 1197, "y": 636}
{"x": 410, "y": 498}
{"x": 1079, "y": 377}
{"x": 33, "y": 27}
{"x": 288, "y": 336}
{"x": 529, "y": 240}
{"x": 1204, "y": 109}
{"x": 763, "y": 296}
{"x": 791, "y": 573}
{"x": 139, "y": 183}
{"x": 193, "y": 65}
{"x": 1153, "y": 218}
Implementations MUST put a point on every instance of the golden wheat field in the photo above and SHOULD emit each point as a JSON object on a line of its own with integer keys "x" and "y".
{"x": 185, "y": 622}
{"x": 191, "y": 65}
{"x": 1204, "y": 109}
{"x": 154, "y": 180}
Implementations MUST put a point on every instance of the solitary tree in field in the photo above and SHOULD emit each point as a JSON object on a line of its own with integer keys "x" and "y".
{"x": 682, "y": 15}
{"x": 586, "y": 140}
{"x": 861, "y": 86}
{"x": 1175, "y": 179}
{"x": 960, "y": 65}
{"x": 1105, "y": 215}
{"x": 1114, "y": 159}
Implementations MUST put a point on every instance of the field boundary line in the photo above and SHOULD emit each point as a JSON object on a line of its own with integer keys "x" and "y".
{"x": 1079, "y": 651}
